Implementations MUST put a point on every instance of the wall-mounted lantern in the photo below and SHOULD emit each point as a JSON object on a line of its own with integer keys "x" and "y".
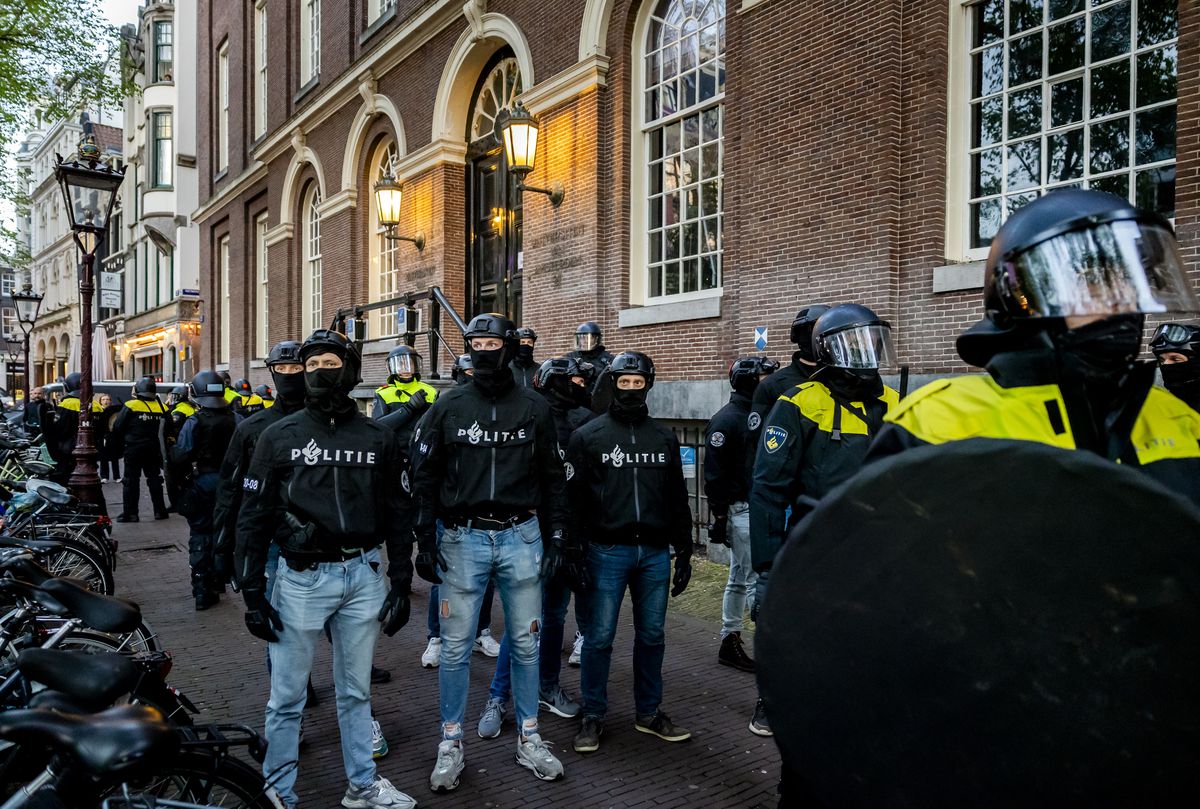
{"x": 388, "y": 196}
{"x": 518, "y": 130}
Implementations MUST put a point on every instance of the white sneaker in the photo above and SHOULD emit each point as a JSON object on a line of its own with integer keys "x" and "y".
{"x": 379, "y": 794}
{"x": 432, "y": 654}
{"x": 576, "y": 651}
{"x": 450, "y": 763}
{"x": 533, "y": 755}
{"x": 487, "y": 644}
{"x": 379, "y": 745}
{"x": 104, "y": 480}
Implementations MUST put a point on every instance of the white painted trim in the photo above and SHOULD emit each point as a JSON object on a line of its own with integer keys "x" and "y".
{"x": 341, "y": 201}
{"x": 958, "y": 277}
{"x": 594, "y": 31}
{"x": 958, "y": 135}
{"x": 453, "y": 151}
{"x": 574, "y": 81}
{"x": 256, "y": 172}
{"x": 749, "y": 4}
{"x": 466, "y": 62}
{"x": 673, "y": 312}
{"x": 280, "y": 233}
{"x": 304, "y": 154}
{"x": 373, "y": 104}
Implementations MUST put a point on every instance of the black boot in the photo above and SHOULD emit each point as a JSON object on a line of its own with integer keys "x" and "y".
{"x": 733, "y": 653}
{"x": 200, "y": 591}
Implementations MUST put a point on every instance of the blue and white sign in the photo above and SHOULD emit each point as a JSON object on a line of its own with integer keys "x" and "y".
{"x": 688, "y": 456}
{"x": 760, "y": 338}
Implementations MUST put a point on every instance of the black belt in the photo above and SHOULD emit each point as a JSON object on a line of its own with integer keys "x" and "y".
{"x": 488, "y": 522}
{"x": 308, "y": 561}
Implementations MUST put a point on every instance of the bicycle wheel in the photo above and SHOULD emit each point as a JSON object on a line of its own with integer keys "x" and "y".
{"x": 142, "y": 639}
{"x": 79, "y": 561}
{"x": 197, "y": 776}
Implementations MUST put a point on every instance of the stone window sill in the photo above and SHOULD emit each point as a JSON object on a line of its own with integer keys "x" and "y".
{"x": 306, "y": 89}
{"x": 697, "y": 309}
{"x": 958, "y": 277}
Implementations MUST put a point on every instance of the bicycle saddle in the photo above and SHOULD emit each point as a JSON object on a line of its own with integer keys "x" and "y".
{"x": 105, "y": 613}
{"x": 93, "y": 681}
{"x": 20, "y": 564}
{"x": 33, "y": 593}
{"x": 51, "y": 495}
{"x": 107, "y": 743}
{"x": 36, "y": 545}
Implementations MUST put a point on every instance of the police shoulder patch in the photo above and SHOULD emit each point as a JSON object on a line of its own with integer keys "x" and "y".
{"x": 569, "y": 469}
{"x": 250, "y": 484}
{"x": 717, "y": 439}
{"x": 774, "y": 438}
{"x": 753, "y": 421}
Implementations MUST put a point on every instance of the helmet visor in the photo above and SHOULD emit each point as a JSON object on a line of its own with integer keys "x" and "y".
{"x": 403, "y": 365}
{"x": 1121, "y": 267}
{"x": 859, "y": 347}
{"x": 1174, "y": 334}
{"x": 587, "y": 341}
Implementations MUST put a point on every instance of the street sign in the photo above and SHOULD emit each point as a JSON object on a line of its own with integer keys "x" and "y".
{"x": 110, "y": 299}
{"x": 110, "y": 280}
{"x": 189, "y": 293}
{"x": 760, "y": 338}
{"x": 688, "y": 456}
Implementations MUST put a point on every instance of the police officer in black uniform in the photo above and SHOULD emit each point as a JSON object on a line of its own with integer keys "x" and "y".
{"x": 267, "y": 395}
{"x": 565, "y": 384}
{"x": 727, "y": 487}
{"x": 60, "y": 426}
{"x": 589, "y": 348}
{"x": 486, "y": 457}
{"x": 524, "y": 367}
{"x": 326, "y": 472}
{"x": 201, "y": 445}
{"x": 1176, "y": 346}
{"x": 176, "y": 473}
{"x": 138, "y": 428}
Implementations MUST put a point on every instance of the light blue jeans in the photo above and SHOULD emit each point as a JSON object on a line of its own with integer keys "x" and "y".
{"x": 348, "y": 596}
{"x": 739, "y": 590}
{"x": 512, "y": 558}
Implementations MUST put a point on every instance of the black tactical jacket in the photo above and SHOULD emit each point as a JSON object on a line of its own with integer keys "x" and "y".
{"x": 726, "y": 476}
{"x": 139, "y": 424}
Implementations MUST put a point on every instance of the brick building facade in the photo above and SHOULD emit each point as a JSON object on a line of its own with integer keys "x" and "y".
{"x": 818, "y": 151}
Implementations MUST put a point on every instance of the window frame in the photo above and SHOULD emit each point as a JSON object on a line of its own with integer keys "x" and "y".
{"x": 160, "y": 163}
{"x": 377, "y": 8}
{"x": 156, "y": 27}
{"x": 262, "y": 292}
{"x": 260, "y": 69}
{"x": 223, "y": 106}
{"x": 310, "y": 41}
{"x": 225, "y": 309}
{"x": 311, "y": 260}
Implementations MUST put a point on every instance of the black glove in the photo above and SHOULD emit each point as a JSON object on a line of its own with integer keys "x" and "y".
{"x": 718, "y": 532}
{"x": 223, "y": 567}
{"x": 394, "y": 612}
{"x": 427, "y": 565}
{"x": 417, "y": 404}
{"x": 575, "y": 570}
{"x": 552, "y": 554}
{"x": 683, "y": 573}
{"x": 261, "y": 616}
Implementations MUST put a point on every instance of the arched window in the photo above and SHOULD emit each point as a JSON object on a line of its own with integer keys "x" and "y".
{"x": 681, "y": 112}
{"x": 310, "y": 305}
{"x": 385, "y": 276}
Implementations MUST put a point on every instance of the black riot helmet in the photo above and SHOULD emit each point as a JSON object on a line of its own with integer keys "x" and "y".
{"x": 526, "y": 333}
{"x": 746, "y": 372}
{"x": 145, "y": 388}
{"x": 208, "y": 390}
{"x": 491, "y": 325}
{"x": 562, "y": 367}
{"x": 802, "y": 328}
{"x": 588, "y": 337}
{"x": 328, "y": 341}
{"x": 265, "y": 393}
{"x": 242, "y": 387}
{"x": 461, "y": 372}
{"x": 404, "y": 360}
{"x": 72, "y": 382}
{"x": 179, "y": 393}
{"x": 628, "y": 363}
{"x": 1178, "y": 338}
{"x": 853, "y": 337}
{"x": 284, "y": 353}
{"x": 1075, "y": 254}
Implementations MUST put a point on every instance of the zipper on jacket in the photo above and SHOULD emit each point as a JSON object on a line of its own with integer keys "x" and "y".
{"x": 337, "y": 496}
{"x": 493, "y": 497}
{"x": 637, "y": 502}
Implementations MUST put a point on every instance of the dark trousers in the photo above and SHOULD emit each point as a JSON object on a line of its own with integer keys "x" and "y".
{"x": 208, "y": 572}
{"x": 143, "y": 461}
{"x": 110, "y": 468}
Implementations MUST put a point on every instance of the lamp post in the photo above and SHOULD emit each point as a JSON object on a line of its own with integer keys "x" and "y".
{"x": 388, "y": 196}
{"x": 28, "y": 304}
{"x": 89, "y": 187}
{"x": 518, "y": 130}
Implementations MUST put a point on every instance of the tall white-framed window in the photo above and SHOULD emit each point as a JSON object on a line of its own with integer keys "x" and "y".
{"x": 377, "y": 8}
{"x": 164, "y": 50}
{"x": 162, "y": 150}
{"x": 384, "y": 278}
{"x": 310, "y": 305}
{"x": 223, "y": 297}
{"x": 260, "y": 68}
{"x": 1059, "y": 94}
{"x": 223, "y": 106}
{"x": 262, "y": 298}
{"x": 678, "y": 144}
{"x": 310, "y": 40}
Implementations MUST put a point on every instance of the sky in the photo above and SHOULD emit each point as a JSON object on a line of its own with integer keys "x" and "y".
{"x": 119, "y": 12}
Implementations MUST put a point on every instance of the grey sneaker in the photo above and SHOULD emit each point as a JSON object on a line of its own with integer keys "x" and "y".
{"x": 587, "y": 740}
{"x": 533, "y": 755}
{"x": 450, "y": 764}
{"x": 576, "y": 651}
{"x": 558, "y": 703}
{"x": 379, "y": 745}
{"x": 379, "y": 794}
{"x": 492, "y": 719}
{"x": 759, "y": 725}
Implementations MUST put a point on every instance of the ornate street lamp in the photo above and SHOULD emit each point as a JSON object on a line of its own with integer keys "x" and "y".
{"x": 89, "y": 186}
{"x": 518, "y": 130}
{"x": 388, "y": 196}
{"x": 29, "y": 304}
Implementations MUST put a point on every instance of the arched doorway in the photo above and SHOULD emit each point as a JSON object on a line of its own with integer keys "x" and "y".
{"x": 494, "y": 213}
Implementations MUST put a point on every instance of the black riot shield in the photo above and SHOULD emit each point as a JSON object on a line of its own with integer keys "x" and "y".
{"x": 988, "y": 624}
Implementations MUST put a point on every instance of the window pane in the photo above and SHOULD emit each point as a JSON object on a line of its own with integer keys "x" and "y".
{"x": 688, "y": 92}
{"x": 656, "y": 247}
{"x": 1024, "y": 14}
{"x": 989, "y": 22}
{"x": 691, "y": 166}
{"x": 656, "y": 281}
{"x": 1110, "y": 89}
{"x": 710, "y": 160}
{"x": 671, "y": 279}
{"x": 1116, "y": 184}
{"x": 986, "y": 173}
{"x": 1066, "y": 102}
{"x": 710, "y": 274}
{"x": 1016, "y": 202}
{"x": 672, "y": 138}
{"x": 1061, "y": 8}
{"x": 710, "y": 238}
{"x": 985, "y": 221}
{"x": 988, "y": 121}
{"x": 1155, "y": 190}
{"x": 1024, "y": 164}
{"x": 708, "y": 82}
{"x": 1065, "y": 156}
{"x": 989, "y": 71}
{"x": 710, "y": 197}
{"x": 1156, "y": 74}
{"x": 712, "y": 124}
{"x": 1110, "y": 32}
{"x": 672, "y": 243}
{"x": 1024, "y": 112}
{"x": 1156, "y": 135}
{"x": 656, "y": 144}
{"x": 1066, "y": 46}
{"x": 1110, "y": 145}
{"x": 1025, "y": 59}
{"x": 691, "y": 131}
{"x": 1157, "y": 21}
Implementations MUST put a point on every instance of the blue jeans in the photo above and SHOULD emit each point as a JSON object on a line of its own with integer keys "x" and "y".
{"x": 555, "y": 600}
{"x": 742, "y": 577}
{"x": 348, "y": 596}
{"x": 434, "y": 624}
{"x": 646, "y": 571}
{"x": 474, "y": 557}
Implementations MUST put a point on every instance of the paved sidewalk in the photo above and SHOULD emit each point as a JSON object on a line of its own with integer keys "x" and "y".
{"x": 221, "y": 667}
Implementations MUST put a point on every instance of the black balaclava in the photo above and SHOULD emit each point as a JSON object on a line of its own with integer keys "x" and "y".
{"x": 492, "y": 374}
{"x": 327, "y": 390}
{"x": 567, "y": 395}
{"x": 853, "y": 384}
{"x": 1104, "y": 349}
{"x": 1183, "y": 380}
{"x": 746, "y": 384}
{"x": 289, "y": 388}
{"x": 628, "y": 406}
{"x": 525, "y": 355}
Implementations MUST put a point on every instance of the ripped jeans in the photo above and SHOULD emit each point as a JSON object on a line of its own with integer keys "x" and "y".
{"x": 474, "y": 557}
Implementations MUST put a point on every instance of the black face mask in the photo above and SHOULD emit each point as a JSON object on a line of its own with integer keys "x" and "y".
{"x": 855, "y": 384}
{"x": 327, "y": 390}
{"x": 1182, "y": 379}
{"x": 289, "y": 387}
{"x": 525, "y": 354}
{"x": 746, "y": 385}
{"x": 628, "y": 405}
{"x": 492, "y": 374}
{"x": 1105, "y": 348}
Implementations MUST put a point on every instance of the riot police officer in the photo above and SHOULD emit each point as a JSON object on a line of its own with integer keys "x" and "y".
{"x": 60, "y": 426}
{"x": 1069, "y": 280}
{"x": 181, "y": 409}
{"x": 138, "y": 428}
{"x": 1176, "y": 346}
{"x": 325, "y": 472}
{"x": 250, "y": 401}
{"x": 199, "y": 448}
{"x": 589, "y": 348}
{"x": 523, "y": 365}
{"x": 267, "y": 395}
{"x": 486, "y": 458}
{"x": 727, "y": 487}
{"x": 462, "y": 371}
{"x": 630, "y": 503}
{"x": 818, "y": 433}
{"x": 404, "y": 382}
{"x": 565, "y": 384}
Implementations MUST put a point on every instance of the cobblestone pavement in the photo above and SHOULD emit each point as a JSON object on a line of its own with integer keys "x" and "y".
{"x": 221, "y": 667}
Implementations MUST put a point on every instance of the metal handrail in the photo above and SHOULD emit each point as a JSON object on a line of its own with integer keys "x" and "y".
{"x": 438, "y": 303}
